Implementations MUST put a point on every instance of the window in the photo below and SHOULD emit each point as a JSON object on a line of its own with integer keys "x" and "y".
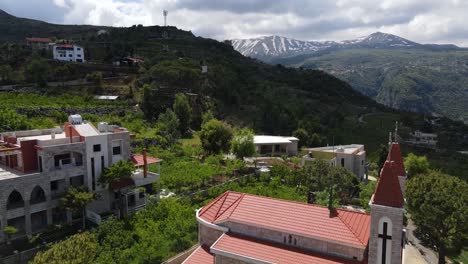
{"x": 141, "y": 195}
{"x": 54, "y": 185}
{"x": 69, "y": 55}
{"x": 97, "y": 148}
{"x": 362, "y": 162}
{"x": 342, "y": 162}
{"x": 40, "y": 164}
{"x": 93, "y": 174}
{"x": 116, "y": 150}
{"x": 78, "y": 48}
{"x": 79, "y": 55}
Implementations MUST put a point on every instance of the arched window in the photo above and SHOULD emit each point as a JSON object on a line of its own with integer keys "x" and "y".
{"x": 385, "y": 241}
{"x": 37, "y": 195}
{"x": 15, "y": 200}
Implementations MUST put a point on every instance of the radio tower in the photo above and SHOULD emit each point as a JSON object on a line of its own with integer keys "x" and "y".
{"x": 165, "y": 17}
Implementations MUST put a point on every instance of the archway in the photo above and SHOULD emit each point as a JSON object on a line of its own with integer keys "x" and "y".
{"x": 37, "y": 195}
{"x": 15, "y": 200}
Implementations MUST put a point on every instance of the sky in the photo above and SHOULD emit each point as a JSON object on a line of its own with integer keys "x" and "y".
{"x": 424, "y": 21}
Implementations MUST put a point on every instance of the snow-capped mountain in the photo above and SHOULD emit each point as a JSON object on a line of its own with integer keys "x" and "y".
{"x": 277, "y": 46}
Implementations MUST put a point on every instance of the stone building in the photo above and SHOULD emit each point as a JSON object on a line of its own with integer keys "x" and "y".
{"x": 38, "y": 166}
{"x": 244, "y": 228}
{"x": 275, "y": 145}
{"x": 352, "y": 157}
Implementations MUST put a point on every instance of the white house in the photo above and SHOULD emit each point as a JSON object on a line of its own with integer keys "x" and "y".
{"x": 423, "y": 139}
{"x": 275, "y": 145}
{"x": 68, "y": 52}
{"x": 352, "y": 157}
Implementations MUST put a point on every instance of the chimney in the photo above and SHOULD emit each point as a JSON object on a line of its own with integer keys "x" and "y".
{"x": 310, "y": 197}
{"x": 330, "y": 199}
{"x": 145, "y": 164}
{"x": 70, "y": 133}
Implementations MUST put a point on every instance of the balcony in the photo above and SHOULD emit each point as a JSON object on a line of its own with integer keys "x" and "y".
{"x": 140, "y": 180}
{"x": 68, "y": 163}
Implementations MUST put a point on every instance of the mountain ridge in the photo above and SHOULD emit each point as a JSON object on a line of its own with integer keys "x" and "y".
{"x": 267, "y": 47}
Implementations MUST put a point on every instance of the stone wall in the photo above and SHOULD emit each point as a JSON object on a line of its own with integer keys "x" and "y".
{"x": 207, "y": 236}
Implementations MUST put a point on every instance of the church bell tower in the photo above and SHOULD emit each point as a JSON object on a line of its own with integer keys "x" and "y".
{"x": 387, "y": 209}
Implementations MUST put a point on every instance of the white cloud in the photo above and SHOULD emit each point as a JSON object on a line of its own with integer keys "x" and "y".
{"x": 427, "y": 21}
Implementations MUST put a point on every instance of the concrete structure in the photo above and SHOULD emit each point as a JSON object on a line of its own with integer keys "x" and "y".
{"x": 275, "y": 145}
{"x": 239, "y": 228}
{"x": 423, "y": 139}
{"x": 68, "y": 52}
{"x": 39, "y": 43}
{"x": 38, "y": 166}
{"x": 352, "y": 157}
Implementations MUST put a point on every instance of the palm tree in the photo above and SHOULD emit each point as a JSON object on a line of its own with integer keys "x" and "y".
{"x": 76, "y": 199}
{"x": 122, "y": 169}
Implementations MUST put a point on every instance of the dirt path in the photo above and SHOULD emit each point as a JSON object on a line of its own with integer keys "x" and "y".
{"x": 426, "y": 254}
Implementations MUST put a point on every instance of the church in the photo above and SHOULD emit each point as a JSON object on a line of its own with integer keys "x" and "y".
{"x": 244, "y": 228}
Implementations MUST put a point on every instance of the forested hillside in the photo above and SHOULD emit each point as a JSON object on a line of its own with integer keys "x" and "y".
{"x": 243, "y": 91}
{"x": 432, "y": 82}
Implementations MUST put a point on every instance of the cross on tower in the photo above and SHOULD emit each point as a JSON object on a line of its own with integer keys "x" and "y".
{"x": 384, "y": 237}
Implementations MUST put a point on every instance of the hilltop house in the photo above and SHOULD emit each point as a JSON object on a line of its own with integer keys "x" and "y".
{"x": 423, "y": 139}
{"x": 39, "y": 43}
{"x": 38, "y": 166}
{"x": 275, "y": 145}
{"x": 68, "y": 52}
{"x": 239, "y": 228}
{"x": 352, "y": 157}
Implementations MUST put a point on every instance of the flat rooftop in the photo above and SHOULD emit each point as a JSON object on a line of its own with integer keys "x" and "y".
{"x": 42, "y": 137}
{"x": 349, "y": 149}
{"x": 9, "y": 173}
{"x": 273, "y": 140}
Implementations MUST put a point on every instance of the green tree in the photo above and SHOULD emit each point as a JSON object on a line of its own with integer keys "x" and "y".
{"x": 36, "y": 71}
{"x": 11, "y": 121}
{"x": 319, "y": 176}
{"x": 242, "y": 144}
{"x": 6, "y": 73}
{"x": 383, "y": 152}
{"x": 438, "y": 205}
{"x": 10, "y": 231}
{"x": 79, "y": 248}
{"x": 168, "y": 127}
{"x": 64, "y": 72}
{"x": 120, "y": 170}
{"x": 76, "y": 199}
{"x": 303, "y": 137}
{"x": 215, "y": 136}
{"x": 367, "y": 190}
{"x": 96, "y": 78}
{"x": 207, "y": 116}
{"x": 183, "y": 112}
{"x": 416, "y": 165}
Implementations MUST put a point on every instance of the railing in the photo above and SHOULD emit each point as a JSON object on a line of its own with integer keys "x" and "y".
{"x": 68, "y": 163}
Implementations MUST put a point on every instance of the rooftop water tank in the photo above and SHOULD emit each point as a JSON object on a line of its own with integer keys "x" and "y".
{"x": 103, "y": 127}
{"x": 75, "y": 119}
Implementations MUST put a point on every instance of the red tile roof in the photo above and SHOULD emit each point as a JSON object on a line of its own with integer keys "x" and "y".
{"x": 271, "y": 252}
{"x": 44, "y": 40}
{"x": 394, "y": 154}
{"x": 138, "y": 161}
{"x": 67, "y": 46}
{"x": 388, "y": 191}
{"x": 201, "y": 255}
{"x": 344, "y": 226}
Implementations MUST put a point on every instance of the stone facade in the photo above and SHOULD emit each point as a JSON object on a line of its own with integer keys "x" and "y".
{"x": 207, "y": 236}
{"x": 227, "y": 260}
{"x": 57, "y": 159}
{"x": 394, "y": 217}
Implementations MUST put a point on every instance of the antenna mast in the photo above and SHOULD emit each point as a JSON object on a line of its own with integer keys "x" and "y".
{"x": 165, "y": 12}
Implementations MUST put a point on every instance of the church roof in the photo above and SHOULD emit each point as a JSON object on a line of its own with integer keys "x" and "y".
{"x": 394, "y": 154}
{"x": 201, "y": 255}
{"x": 269, "y": 252}
{"x": 388, "y": 191}
{"x": 342, "y": 226}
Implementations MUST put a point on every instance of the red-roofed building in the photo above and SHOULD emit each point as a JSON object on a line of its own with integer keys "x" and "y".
{"x": 39, "y": 43}
{"x": 245, "y": 228}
